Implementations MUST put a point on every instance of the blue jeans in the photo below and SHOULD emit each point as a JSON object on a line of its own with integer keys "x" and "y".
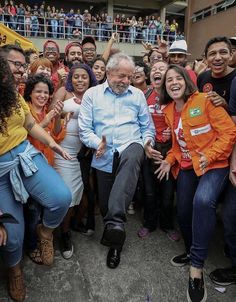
{"x": 54, "y": 24}
{"x": 229, "y": 219}
{"x": 196, "y": 206}
{"x": 61, "y": 28}
{"x": 132, "y": 31}
{"x": 152, "y": 35}
{"x": 46, "y": 187}
{"x": 13, "y": 23}
{"x": 69, "y": 30}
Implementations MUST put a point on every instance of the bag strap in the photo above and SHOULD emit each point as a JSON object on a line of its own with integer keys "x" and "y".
{"x": 148, "y": 93}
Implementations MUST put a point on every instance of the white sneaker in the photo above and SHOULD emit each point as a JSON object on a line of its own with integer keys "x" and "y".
{"x": 67, "y": 246}
{"x": 131, "y": 210}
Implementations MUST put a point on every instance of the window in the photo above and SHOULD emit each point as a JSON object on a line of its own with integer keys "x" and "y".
{"x": 213, "y": 10}
{"x": 228, "y": 3}
{"x": 207, "y": 11}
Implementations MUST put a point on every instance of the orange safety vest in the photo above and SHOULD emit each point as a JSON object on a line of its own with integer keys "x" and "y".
{"x": 207, "y": 129}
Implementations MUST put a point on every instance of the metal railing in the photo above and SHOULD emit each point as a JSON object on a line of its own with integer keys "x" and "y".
{"x": 36, "y": 26}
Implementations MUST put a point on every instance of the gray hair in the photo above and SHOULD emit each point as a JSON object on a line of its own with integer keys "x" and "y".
{"x": 115, "y": 60}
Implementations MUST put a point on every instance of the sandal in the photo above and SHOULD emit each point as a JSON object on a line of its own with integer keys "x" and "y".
{"x": 35, "y": 256}
{"x": 45, "y": 247}
{"x": 16, "y": 286}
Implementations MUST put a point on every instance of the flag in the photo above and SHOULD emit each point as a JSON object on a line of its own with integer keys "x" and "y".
{"x": 8, "y": 36}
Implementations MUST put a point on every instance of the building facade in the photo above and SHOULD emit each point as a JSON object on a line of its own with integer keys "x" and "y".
{"x": 205, "y": 19}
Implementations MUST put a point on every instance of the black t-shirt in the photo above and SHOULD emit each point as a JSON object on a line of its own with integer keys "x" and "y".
{"x": 206, "y": 83}
{"x": 232, "y": 101}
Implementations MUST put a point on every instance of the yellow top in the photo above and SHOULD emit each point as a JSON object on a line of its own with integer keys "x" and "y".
{"x": 16, "y": 133}
{"x": 173, "y": 27}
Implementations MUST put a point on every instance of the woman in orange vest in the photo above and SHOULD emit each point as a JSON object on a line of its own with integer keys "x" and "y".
{"x": 202, "y": 140}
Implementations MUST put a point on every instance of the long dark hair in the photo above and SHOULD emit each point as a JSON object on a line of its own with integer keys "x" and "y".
{"x": 8, "y": 95}
{"x": 104, "y": 61}
{"x": 92, "y": 80}
{"x": 190, "y": 86}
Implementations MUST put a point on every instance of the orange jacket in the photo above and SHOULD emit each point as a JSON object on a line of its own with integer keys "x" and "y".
{"x": 49, "y": 154}
{"x": 207, "y": 129}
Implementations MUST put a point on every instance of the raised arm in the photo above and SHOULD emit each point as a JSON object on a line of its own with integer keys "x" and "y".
{"x": 108, "y": 48}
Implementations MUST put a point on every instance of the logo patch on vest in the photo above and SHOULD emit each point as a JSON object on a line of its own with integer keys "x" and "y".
{"x": 200, "y": 130}
{"x": 195, "y": 112}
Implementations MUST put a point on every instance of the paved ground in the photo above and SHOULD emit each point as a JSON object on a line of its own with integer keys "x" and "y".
{"x": 144, "y": 274}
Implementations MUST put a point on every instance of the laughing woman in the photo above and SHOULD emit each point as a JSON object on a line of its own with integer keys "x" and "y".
{"x": 140, "y": 77}
{"x": 38, "y": 90}
{"x": 24, "y": 171}
{"x": 159, "y": 195}
{"x": 202, "y": 140}
{"x": 80, "y": 78}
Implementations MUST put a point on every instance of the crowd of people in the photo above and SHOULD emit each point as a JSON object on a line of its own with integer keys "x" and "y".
{"x": 49, "y": 21}
{"x": 87, "y": 130}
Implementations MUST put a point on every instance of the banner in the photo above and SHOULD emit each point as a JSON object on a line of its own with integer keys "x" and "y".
{"x": 8, "y": 36}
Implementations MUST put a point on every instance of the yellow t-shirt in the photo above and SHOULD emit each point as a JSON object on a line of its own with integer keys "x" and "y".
{"x": 173, "y": 27}
{"x": 15, "y": 128}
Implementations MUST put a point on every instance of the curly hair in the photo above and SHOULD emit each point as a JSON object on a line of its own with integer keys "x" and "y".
{"x": 92, "y": 80}
{"x": 34, "y": 80}
{"x": 146, "y": 69}
{"x": 8, "y": 95}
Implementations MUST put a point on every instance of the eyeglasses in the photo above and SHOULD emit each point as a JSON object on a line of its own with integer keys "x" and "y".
{"x": 18, "y": 64}
{"x": 89, "y": 49}
{"x": 50, "y": 49}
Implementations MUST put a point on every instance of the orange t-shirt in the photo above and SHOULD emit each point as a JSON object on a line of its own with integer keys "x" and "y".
{"x": 49, "y": 154}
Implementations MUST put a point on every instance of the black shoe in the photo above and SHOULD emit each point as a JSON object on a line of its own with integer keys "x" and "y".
{"x": 113, "y": 236}
{"x": 226, "y": 251}
{"x": 180, "y": 260}
{"x": 113, "y": 258}
{"x": 196, "y": 290}
{"x": 224, "y": 276}
{"x": 67, "y": 249}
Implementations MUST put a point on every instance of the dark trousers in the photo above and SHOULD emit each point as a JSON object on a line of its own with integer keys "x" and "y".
{"x": 229, "y": 219}
{"x": 159, "y": 199}
{"x": 196, "y": 206}
{"x": 116, "y": 189}
{"x": 32, "y": 215}
{"x": 85, "y": 166}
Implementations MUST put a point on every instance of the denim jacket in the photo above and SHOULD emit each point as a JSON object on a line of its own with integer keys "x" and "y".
{"x": 24, "y": 160}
